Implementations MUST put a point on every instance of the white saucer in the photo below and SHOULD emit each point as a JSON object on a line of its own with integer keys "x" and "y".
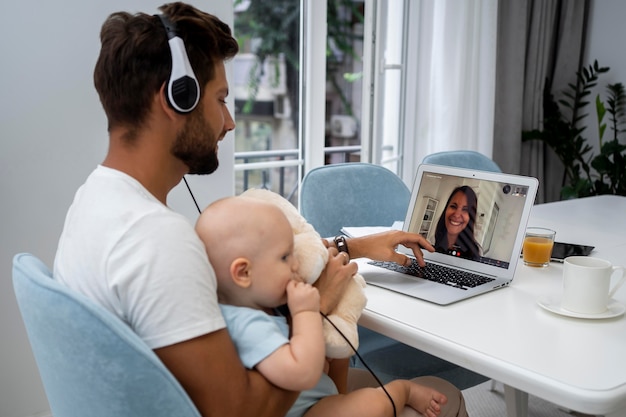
{"x": 553, "y": 305}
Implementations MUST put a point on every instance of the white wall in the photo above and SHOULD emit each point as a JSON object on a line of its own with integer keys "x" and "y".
{"x": 52, "y": 134}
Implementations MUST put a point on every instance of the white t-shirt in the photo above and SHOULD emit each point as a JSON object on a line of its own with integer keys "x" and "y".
{"x": 128, "y": 252}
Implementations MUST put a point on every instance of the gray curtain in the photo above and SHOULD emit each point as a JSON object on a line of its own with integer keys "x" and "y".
{"x": 538, "y": 41}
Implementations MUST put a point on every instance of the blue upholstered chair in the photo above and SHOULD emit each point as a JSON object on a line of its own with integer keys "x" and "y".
{"x": 352, "y": 194}
{"x": 462, "y": 159}
{"x": 361, "y": 194}
{"x": 91, "y": 363}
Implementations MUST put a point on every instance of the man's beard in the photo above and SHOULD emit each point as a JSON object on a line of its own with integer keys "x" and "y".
{"x": 196, "y": 145}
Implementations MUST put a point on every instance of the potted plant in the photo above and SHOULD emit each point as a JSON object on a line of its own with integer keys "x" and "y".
{"x": 585, "y": 173}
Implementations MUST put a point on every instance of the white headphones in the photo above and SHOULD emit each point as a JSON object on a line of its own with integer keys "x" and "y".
{"x": 182, "y": 90}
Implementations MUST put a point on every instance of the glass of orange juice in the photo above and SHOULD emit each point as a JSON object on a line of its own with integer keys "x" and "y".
{"x": 537, "y": 247}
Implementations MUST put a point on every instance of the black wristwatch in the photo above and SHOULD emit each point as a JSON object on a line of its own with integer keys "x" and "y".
{"x": 342, "y": 244}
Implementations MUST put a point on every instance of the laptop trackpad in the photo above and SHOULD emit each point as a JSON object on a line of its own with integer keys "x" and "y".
{"x": 398, "y": 282}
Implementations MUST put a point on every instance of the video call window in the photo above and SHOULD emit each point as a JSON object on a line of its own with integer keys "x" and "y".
{"x": 482, "y": 217}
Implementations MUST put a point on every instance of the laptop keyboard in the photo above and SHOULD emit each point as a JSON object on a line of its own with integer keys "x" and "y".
{"x": 437, "y": 273}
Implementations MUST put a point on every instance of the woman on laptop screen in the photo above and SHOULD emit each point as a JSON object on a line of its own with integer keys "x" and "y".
{"x": 455, "y": 229}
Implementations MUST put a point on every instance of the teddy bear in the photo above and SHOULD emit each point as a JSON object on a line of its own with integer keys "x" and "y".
{"x": 312, "y": 256}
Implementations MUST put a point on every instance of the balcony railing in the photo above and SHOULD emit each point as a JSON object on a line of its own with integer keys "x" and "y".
{"x": 281, "y": 159}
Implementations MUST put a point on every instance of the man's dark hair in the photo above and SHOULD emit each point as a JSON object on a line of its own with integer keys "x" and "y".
{"x": 135, "y": 58}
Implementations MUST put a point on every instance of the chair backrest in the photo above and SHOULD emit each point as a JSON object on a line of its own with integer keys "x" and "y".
{"x": 90, "y": 362}
{"x": 462, "y": 159}
{"x": 352, "y": 194}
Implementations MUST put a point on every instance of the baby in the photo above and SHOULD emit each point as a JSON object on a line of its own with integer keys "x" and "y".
{"x": 250, "y": 245}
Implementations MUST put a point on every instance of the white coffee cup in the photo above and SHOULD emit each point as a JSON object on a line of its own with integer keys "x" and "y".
{"x": 586, "y": 284}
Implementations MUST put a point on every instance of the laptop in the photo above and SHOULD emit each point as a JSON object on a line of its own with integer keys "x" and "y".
{"x": 465, "y": 264}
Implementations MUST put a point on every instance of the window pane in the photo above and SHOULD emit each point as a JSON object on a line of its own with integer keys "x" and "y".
{"x": 266, "y": 91}
{"x": 344, "y": 70}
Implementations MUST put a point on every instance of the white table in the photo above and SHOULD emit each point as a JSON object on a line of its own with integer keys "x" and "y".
{"x": 575, "y": 363}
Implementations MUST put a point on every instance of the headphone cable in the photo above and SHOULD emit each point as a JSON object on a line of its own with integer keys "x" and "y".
{"x": 393, "y": 405}
{"x": 192, "y": 196}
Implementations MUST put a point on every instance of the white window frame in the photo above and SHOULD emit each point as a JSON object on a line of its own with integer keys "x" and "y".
{"x": 313, "y": 82}
{"x": 396, "y": 126}
{"x": 313, "y": 34}
{"x": 384, "y": 75}
{"x": 374, "y": 122}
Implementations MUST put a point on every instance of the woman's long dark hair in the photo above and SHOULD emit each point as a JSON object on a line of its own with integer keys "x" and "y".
{"x": 466, "y": 240}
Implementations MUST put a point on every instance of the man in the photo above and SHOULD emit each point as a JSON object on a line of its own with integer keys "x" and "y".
{"x": 125, "y": 249}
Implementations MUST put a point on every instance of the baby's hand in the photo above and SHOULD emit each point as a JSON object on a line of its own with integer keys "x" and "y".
{"x": 302, "y": 297}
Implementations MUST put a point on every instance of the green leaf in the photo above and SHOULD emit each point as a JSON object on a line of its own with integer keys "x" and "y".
{"x": 352, "y": 76}
{"x": 601, "y": 129}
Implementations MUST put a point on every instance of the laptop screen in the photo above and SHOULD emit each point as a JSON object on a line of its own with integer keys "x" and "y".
{"x": 470, "y": 215}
